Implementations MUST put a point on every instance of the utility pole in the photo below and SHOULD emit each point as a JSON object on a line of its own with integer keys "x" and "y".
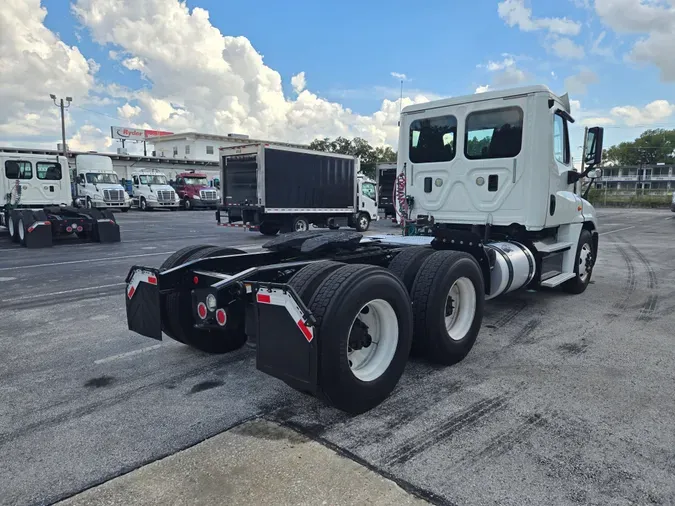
{"x": 63, "y": 107}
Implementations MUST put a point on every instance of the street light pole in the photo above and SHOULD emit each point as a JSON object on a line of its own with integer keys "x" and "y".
{"x": 63, "y": 107}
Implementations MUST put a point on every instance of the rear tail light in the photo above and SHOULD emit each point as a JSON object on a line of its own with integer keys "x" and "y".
{"x": 69, "y": 229}
{"x": 221, "y": 317}
{"x": 201, "y": 310}
{"x": 79, "y": 229}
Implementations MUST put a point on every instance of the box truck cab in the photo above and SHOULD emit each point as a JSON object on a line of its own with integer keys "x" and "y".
{"x": 194, "y": 191}
{"x": 98, "y": 185}
{"x": 150, "y": 189}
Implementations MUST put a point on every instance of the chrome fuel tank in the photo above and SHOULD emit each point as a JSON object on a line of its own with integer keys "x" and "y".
{"x": 514, "y": 267}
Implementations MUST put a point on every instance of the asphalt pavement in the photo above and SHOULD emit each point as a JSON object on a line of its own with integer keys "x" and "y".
{"x": 563, "y": 400}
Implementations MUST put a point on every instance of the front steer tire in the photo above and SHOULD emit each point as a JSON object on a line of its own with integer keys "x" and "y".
{"x": 336, "y": 304}
{"x": 577, "y": 285}
{"x": 436, "y": 277}
{"x": 181, "y": 320}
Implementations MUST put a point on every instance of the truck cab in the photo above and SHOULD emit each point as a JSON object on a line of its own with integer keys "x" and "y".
{"x": 366, "y": 198}
{"x": 151, "y": 190}
{"x": 34, "y": 180}
{"x": 97, "y": 184}
{"x": 194, "y": 191}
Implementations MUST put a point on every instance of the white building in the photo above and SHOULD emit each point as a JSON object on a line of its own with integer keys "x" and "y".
{"x": 196, "y": 146}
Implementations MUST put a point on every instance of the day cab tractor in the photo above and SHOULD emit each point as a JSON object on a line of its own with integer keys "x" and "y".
{"x": 194, "y": 191}
{"x": 36, "y": 204}
{"x": 150, "y": 190}
{"x": 98, "y": 185}
{"x": 492, "y": 198}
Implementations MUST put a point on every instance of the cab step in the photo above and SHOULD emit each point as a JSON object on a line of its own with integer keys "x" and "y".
{"x": 557, "y": 280}
{"x": 556, "y": 247}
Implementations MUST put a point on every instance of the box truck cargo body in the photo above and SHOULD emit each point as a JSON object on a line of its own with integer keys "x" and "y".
{"x": 274, "y": 188}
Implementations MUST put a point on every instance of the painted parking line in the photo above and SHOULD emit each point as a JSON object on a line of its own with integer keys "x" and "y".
{"x": 127, "y": 354}
{"x": 62, "y": 292}
{"x": 617, "y": 230}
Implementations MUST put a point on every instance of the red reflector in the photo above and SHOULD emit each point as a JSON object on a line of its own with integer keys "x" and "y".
{"x": 221, "y": 317}
{"x": 201, "y": 310}
{"x": 79, "y": 229}
{"x": 69, "y": 229}
{"x": 47, "y": 222}
{"x": 265, "y": 299}
{"x": 30, "y": 229}
{"x": 195, "y": 280}
{"x": 305, "y": 331}
{"x": 132, "y": 290}
{"x": 152, "y": 280}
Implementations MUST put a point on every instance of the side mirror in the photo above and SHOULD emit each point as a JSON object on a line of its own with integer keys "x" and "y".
{"x": 593, "y": 154}
{"x": 594, "y": 174}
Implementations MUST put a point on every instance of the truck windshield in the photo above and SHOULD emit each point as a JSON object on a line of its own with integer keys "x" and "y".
{"x": 153, "y": 179}
{"x": 196, "y": 180}
{"x": 102, "y": 177}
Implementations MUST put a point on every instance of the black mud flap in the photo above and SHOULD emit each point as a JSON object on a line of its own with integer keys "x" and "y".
{"x": 39, "y": 235}
{"x": 144, "y": 315}
{"x": 107, "y": 231}
{"x": 287, "y": 345}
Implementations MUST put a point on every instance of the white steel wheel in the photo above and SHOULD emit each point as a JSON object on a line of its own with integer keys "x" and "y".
{"x": 22, "y": 232}
{"x": 460, "y": 308}
{"x": 300, "y": 225}
{"x": 373, "y": 340}
{"x": 10, "y": 226}
{"x": 144, "y": 205}
{"x": 585, "y": 263}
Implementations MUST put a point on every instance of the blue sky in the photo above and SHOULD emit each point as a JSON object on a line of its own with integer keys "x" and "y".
{"x": 605, "y": 53}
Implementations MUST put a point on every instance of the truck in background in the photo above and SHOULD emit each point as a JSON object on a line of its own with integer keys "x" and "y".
{"x": 277, "y": 188}
{"x": 36, "y": 203}
{"x": 194, "y": 191}
{"x": 385, "y": 177}
{"x": 150, "y": 189}
{"x": 97, "y": 184}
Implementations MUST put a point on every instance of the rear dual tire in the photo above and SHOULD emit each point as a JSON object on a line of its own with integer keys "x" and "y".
{"x": 364, "y": 324}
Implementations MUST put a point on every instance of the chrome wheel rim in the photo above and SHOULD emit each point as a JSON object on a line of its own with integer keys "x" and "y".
{"x": 585, "y": 262}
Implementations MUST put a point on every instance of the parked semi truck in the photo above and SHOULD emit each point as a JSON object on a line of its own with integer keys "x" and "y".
{"x": 275, "y": 188}
{"x": 97, "y": 185}
{"x": 37, "y": 203}
{"x": 150, "y": 189}
{"x": 385, "y": 175}
{"x": 194, "y": 191}
{"x": 490, "y": 190}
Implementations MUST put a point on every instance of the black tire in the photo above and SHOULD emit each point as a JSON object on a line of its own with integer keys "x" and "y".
{"x": 300, "y": 224}
{"x": 267, "y": 228}
{"x": 307, "y": 280}
{"x": 177, "y": 258}
{"x": 576, "y": 285}
{"x": 429, "y": 295}
{"x": 407, "y": 263}
{"x": 89, "y": 204}
{"x": 173, "y": 209}
{"x": 187, "y": 204}
{"x": 143, "y": 204}
{"x": 25, "y": 220}
{"x": 335, "y": 304}
{"x": 181, "y": 321}
{"x": 12, "y": 226}
{"x": 362, "y": 222}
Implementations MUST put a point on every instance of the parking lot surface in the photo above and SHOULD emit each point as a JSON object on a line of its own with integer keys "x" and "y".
{"x": 563, "y": 400}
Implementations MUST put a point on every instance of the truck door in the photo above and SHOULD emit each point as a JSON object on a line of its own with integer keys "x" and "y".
{"x": 368, "y": 198}
{"x": 563, "y": 204}
{"x": 50, "y": 182}
{"x": 463, "y": 164}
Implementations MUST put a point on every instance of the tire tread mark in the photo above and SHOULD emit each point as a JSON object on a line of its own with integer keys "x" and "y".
{"x": 631, "y": 281}
{"x": 650, "y": 306}
{"x": 512, "y": 312}
{"x": 503, "y": 442}
{"x": 446, "y": 430}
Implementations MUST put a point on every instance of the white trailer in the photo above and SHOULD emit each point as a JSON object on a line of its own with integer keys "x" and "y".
{"x": 151, "y": 190}
{"x": 491, "y": 208}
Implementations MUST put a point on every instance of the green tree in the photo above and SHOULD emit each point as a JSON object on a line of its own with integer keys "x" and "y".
{"x": 652, "y": 147}
{"x": 368, "y": 155}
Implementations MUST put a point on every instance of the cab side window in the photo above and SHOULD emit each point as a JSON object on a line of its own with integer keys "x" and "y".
{"x": 135, "y": 180}
{"x": 561, "y": 141}
{"x": 48, "y": 171}
{"x": 16, "y": 169}
{"x": 433, "y": 139}
{"x": 368, "y": 190}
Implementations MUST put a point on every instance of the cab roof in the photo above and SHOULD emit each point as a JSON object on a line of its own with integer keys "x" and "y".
{"x": 488, "y": 95}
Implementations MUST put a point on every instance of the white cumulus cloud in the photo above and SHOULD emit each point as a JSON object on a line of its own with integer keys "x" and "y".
{"x": 654, "y": 112}
{"x": 482, "y": 89}
{"x": 128, "y": 111}
{"x": 200, "y": 79}
{"x": 578, "y": 83}
{"x": 516, "y": 13}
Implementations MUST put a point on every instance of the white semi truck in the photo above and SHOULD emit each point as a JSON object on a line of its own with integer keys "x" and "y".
{"x": 491, "y": 207}
{"x": 97, "y": 185}
{"x": 151, "y": 190}
{"x": 36, "y": 203}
